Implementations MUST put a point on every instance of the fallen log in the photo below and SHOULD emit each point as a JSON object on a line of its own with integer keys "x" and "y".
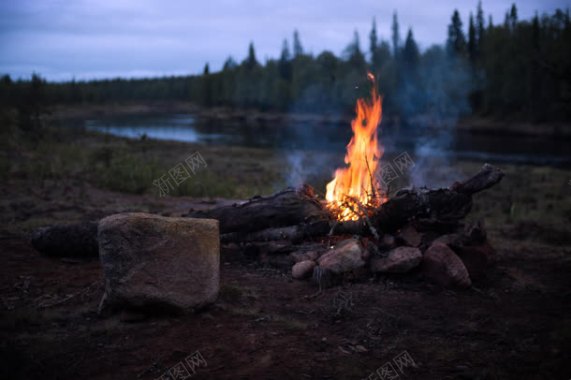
{"x": 442, "y": 206}
{"x": 297, "y": 215}
{"x": 287, "y": 208}
{"x": 77, "y": 240}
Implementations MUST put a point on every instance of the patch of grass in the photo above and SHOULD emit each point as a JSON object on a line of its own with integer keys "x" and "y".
{"x": 128, "y": 172}
{"x": 527, "y": 193}
{"x": 207, "y": 184}
{"x": 58, "y": 160}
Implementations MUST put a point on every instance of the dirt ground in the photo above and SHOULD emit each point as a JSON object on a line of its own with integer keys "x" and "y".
{"x": 513, "y": 324}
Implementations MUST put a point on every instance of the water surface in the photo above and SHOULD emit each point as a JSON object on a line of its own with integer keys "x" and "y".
{"x": 334, "y": 138}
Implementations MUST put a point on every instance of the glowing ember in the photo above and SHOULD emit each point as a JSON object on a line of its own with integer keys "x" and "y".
{"x": 354, "y": 190}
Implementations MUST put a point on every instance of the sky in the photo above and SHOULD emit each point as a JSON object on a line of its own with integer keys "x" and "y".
{"x": 87, "y": 39}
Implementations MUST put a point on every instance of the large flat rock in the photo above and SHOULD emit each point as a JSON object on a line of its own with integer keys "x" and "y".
{"x": 156, "y": 262}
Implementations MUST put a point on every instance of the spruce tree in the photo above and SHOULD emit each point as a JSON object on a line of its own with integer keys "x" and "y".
{"x": 480, "y": 27}
{"x": 251, "y": 61}
{"x": 456, "y": 42}
{"x": 297, "y": 48}
{"x": 472, "y": 42}
{"x": 410, "y": 52}
{"x": 395, "y": 35}
{"x": 373, "y": 45}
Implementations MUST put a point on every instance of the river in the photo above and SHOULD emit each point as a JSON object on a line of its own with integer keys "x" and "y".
{"x": 334, "y": 137}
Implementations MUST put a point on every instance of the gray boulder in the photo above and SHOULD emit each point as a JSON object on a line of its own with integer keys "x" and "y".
{"x": 159, "y": 263}
{"x": 398, "y": 260}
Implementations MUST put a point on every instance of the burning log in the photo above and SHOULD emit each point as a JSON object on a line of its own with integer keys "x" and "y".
{"x": 297, "y": 215}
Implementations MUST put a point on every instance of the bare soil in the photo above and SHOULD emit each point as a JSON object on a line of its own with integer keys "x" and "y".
{"x": 513, "y": 324}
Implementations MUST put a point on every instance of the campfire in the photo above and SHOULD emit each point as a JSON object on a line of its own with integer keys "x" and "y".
{"x": 355, "y": 191}
{"x": 357, "y": 230}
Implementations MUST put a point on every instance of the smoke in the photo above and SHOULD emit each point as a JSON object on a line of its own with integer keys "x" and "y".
{"x": 311, "y": 165}
{"x": 433, "y": 107}
{"x": 317, "y": 144}
{"x": 297, "y": 173}
{"x": 429, "y": 100}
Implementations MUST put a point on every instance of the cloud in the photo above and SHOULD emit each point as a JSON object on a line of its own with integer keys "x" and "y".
{"x": 110, "y": 37}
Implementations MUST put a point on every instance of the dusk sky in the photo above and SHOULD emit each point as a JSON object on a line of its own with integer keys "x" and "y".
{"x": 62, "y": 39}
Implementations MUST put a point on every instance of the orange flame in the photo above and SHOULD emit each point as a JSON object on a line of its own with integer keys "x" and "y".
{"x": 354, "y": 189}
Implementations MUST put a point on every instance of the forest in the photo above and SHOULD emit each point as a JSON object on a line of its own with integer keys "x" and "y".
{"x": 515, "y": 70}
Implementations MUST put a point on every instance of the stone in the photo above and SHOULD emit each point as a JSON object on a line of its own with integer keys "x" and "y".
{"x": 303, "y": 269}
{"x": 408, "y": 235}
{"x": 441, "y": 265}
{"x": 399, "y": 260}
{"x": 159, "y": 263}
{"x": 386, "y": 242}
{"x": 344, "y": 257}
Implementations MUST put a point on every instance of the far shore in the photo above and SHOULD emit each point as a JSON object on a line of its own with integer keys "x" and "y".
{"x": 469, "y": 124}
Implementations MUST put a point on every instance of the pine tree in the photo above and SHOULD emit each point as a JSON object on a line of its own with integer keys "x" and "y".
{"x": 297, "y": 48}
{"x": 395, "y": 35}
{"x": 410, "y": 52}
{"x": 480, "y": 28}
{"x": 373, "y": 45}
{"x": 207, "y": 95}
{"x": 229, "y": 64}
{"x": 535, "y": 30}
{"x": 512, "y": 18}
{"x": 456, "y": 43}
{"x": 472, "y": 43}
{"x": 251, "y": 61}
{"x": 353, "y": 52}
{"x": 285, "y": 54}
{"x": 284, "y": 64}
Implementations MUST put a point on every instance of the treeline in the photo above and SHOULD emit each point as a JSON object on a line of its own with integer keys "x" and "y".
{"x": 520, "y": 69}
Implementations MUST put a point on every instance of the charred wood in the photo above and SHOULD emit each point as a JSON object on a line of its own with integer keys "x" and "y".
{"x": 286, "y": 208}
